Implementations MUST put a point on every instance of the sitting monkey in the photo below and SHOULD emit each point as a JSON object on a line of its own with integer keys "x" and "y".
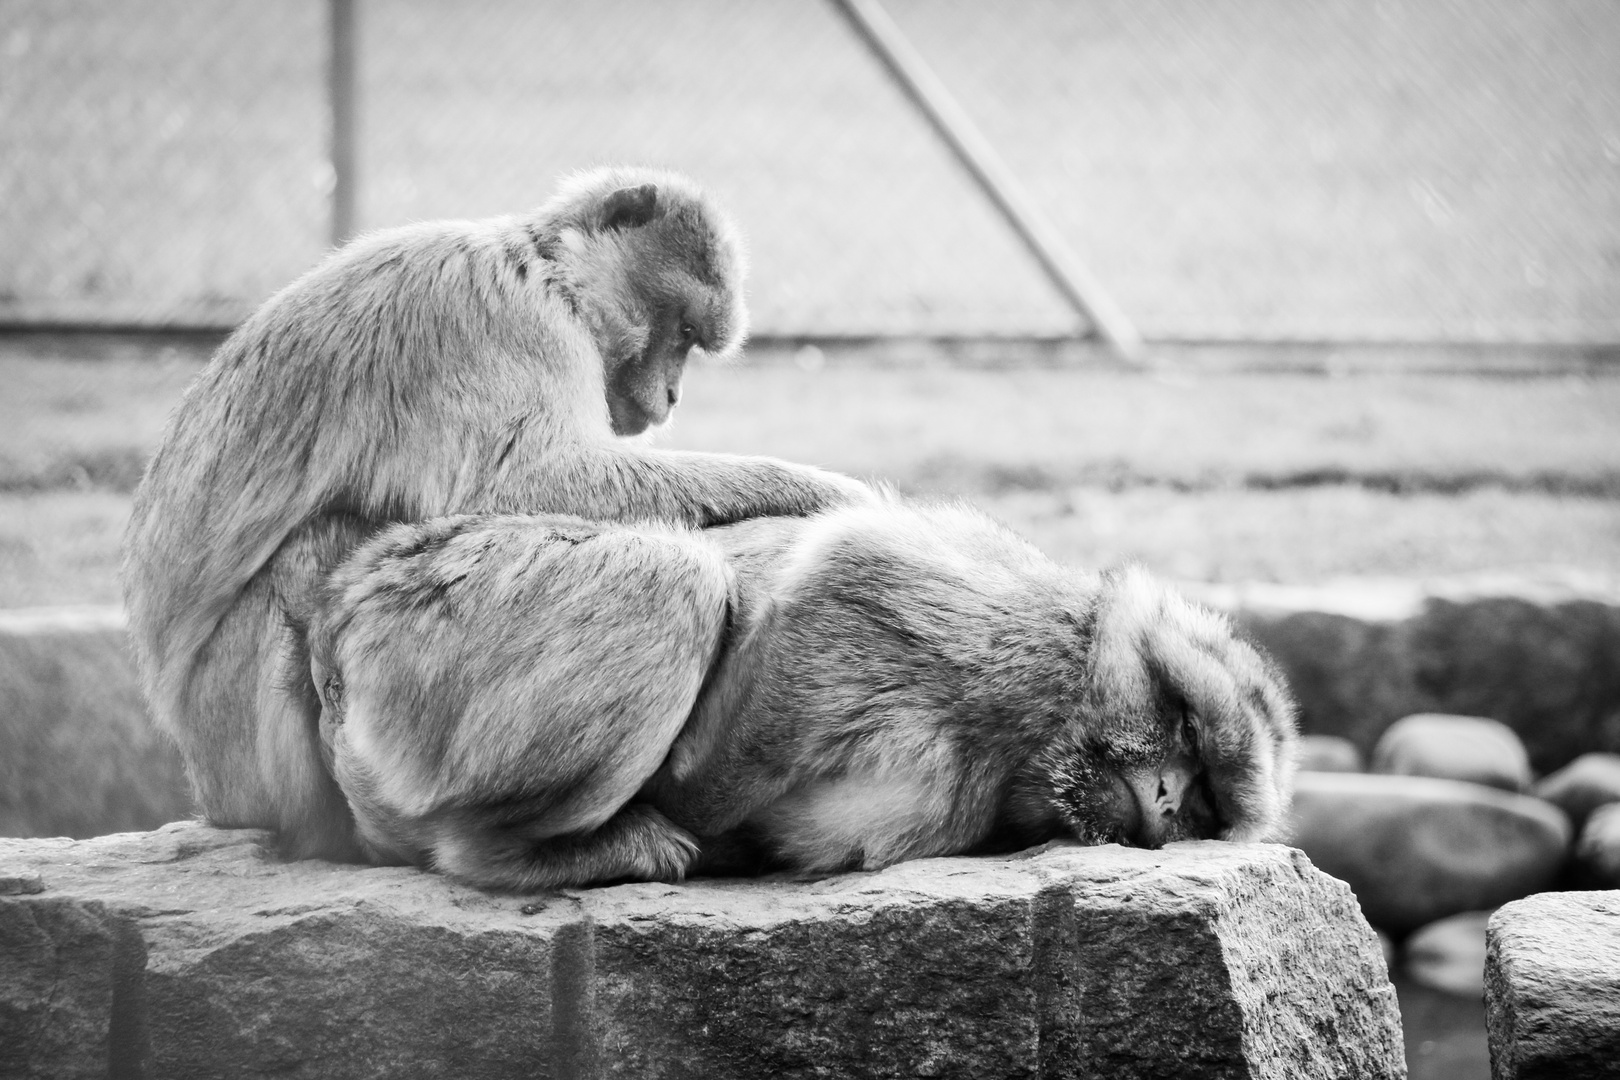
{"x": 447, "y": 367}
{"x": 525, "y": 702}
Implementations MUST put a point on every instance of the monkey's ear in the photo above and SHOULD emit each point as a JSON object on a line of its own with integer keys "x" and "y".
{"x": 629, "y": 207}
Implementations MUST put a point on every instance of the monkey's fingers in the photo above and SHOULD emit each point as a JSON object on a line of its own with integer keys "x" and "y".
{"x": 797, "y": 491}
{"x": 708, "y": 489}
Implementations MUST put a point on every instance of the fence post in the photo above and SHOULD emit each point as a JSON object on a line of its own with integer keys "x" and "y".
{"x": 1081, "y": 288}
{"x": 341, "y": 96}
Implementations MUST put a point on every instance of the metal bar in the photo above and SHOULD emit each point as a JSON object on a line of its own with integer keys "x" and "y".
{"x": 341, "y": 94}
{"x": 1079, "y": 286}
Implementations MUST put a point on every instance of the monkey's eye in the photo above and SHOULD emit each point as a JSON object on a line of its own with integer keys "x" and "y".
{"x": 1189, "y": 732}
{"x": 688, "y": 331}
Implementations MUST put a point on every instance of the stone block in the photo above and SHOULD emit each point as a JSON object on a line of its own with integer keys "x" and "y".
{"x": 1472, "y": 748}
{"x": 1552, "y": 987}
{"x": 1200, "y": 960}
{"x": 67, "y": 969}
{"x": 1416, "y": 849}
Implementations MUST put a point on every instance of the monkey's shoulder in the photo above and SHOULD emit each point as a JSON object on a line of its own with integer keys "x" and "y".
{"x": 945, "y": 557}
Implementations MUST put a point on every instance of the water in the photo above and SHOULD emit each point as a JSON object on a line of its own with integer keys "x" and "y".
{"x": 1445, "y": 1034}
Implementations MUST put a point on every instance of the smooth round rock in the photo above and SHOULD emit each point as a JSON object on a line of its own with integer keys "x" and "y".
{"x": 1472, "y": 748}
{"x": 1449, "y": 954}
{"x": 1330, "y": 753}
{"x": 1417, "y": 849}
{"x": 1597, "y": 852}
{"x": 1583, "y": 785}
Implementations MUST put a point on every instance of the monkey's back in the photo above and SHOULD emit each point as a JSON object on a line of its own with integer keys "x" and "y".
{"x": 869, "y": 703}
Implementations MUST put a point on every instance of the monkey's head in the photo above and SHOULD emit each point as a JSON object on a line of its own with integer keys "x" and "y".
{"x": 1179, "y": 730}
{"x": 656, "y": 270}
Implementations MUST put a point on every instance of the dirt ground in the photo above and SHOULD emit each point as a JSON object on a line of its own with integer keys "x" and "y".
{"x": 1288, "y": 477}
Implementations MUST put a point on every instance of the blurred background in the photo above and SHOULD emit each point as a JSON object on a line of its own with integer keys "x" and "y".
{"x": 1373, "y": 247}
{"x": 1246, "y": 170}
{"x": 1266, "y": 191}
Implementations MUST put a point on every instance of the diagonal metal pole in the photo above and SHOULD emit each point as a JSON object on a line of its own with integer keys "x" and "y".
{"x": 1079, "y": 286}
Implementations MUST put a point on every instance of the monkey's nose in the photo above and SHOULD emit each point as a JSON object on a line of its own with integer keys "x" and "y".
{"x": 1175, "y": 777}
{"x": 1169, "y": 799}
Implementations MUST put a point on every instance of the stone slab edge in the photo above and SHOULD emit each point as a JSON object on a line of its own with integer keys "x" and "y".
{"x": 191, "y": 951}
{"x": 1552, "y": 987}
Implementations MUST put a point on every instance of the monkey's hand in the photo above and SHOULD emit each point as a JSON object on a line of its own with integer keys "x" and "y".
{"x": 750, "y": 487}
{"x": 683, "y": 487}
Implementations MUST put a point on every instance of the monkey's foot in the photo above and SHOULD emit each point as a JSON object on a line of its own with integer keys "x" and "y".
{"x": 636, "y": 844}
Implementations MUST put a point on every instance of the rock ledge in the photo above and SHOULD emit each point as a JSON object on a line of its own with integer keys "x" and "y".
{"x": 191, "y": 951}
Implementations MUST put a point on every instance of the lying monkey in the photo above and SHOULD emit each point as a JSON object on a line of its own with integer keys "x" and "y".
{"x": 525, "y": 702}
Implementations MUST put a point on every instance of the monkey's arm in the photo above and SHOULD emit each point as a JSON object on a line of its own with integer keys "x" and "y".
{"x": 619, "y": 482}
{"x": 496, "y": 690}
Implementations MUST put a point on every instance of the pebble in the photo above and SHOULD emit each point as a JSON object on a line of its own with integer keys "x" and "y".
{"x": 1330, "y": 753}
{"x": 1597, "y": 852}
{"x": 1472, "y": 748}
{"x": 1583, "y": 785}
{"x": 1417, "y": 849}
{"x": 1449, "y": 954}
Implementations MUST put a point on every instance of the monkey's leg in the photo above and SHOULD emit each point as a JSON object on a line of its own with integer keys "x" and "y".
{"x": 636, "y": 844}
{"x": 249, "y": 731}
{"x": 497, "y": 691}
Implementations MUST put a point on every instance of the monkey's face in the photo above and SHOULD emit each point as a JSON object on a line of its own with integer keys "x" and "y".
{"x": 666, "y": 312}
{"x": 670, "y": 303}
{"x": 656, "y": 271}
{"x": 644, "y": 381}
{"x": 1181, "y": 730}
{"x": 1140, "y": 792}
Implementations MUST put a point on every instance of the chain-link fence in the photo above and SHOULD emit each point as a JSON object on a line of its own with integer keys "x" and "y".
{"x": 1242, "y": 169}
{"x": 163, "y": 161}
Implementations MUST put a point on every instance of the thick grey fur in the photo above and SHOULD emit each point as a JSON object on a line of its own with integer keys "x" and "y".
{"x": 441, "y": 368}
{"x": 526, "y": 702}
